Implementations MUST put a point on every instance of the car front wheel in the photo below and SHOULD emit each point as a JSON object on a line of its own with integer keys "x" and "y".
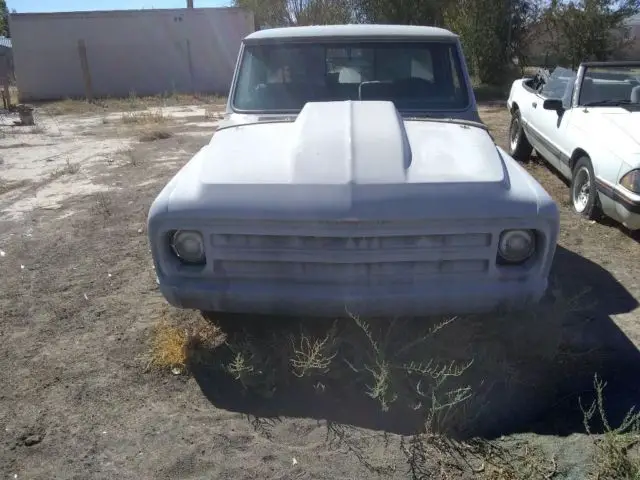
{"x": 584, "y": 196}
{"x": 519, "y": 146}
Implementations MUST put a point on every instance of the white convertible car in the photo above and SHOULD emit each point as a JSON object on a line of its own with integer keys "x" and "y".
{"x": 352, "y": 174}
{"x": 587, "y": 125}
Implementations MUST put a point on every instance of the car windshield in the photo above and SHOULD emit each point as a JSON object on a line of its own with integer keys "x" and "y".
{"x": 607, "y": 86}
{"x": 420, "y": 76}
{"x": 559, "y": 83}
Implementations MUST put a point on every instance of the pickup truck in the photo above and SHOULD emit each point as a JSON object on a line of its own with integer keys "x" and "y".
{"x": 586, "y": 124}
{"x": 352, "y": 176}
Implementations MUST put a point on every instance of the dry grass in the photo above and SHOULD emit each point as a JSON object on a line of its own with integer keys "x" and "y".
{"x": 7, "y": 186}
{"x": 175, "y": 347}
{"x": 153, "y": 134}
{"x": 131, "y": 103}
{"x": 169, "y": 348}
{"x": 70, "y": 106}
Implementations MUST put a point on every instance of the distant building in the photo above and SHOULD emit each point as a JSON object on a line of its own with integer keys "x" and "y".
{"x": 116, "y": 53}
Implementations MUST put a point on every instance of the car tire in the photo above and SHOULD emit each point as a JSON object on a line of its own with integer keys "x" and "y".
{"x": 584, "y": 193}
{"x": 519, "y": 146}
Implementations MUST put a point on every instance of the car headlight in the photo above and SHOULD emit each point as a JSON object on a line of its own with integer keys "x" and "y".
{"x": 188, "y": 246}
{"x": 515, "y": 246}
{"x": 631, "y": 181}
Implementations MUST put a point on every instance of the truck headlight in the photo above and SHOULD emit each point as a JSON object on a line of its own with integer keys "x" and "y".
{"x": 515, "y": 246}
{"x": 188, "y": 246}
{"x": 631, "y": 181}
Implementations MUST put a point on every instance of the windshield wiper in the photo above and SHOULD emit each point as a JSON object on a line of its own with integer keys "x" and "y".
{"x": 605, "y": 103}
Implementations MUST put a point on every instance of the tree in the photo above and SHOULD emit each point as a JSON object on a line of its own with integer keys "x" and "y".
{"x": 492, "y": 32}
{"x": 588, "y": 29}
{"x": 278, "y": 13}
{"x": 406, "y": 12}
{"x": 4, "y": 19}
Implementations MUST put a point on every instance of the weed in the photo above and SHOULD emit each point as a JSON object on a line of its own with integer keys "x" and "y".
{"x": 131, "y": 157}
{"x": 143, "y": 118}
{"x": 133, "y": 100}
{"x": 614, "y": 458}
{"x": 213, "y": 113}
{"x": 252, "y": 366}
{"x": 313, "y": 355}
{"x": 70, "y": 168}
{"x": 103, "y": 205}
{"x": 37, "y": 130}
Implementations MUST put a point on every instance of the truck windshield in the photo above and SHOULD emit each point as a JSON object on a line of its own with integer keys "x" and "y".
{"x": 420, "y": 76}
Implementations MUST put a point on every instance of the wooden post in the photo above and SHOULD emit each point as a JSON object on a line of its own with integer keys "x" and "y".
{"x": 190, "y": 64}
{"x": 86, "y": 74}
{"x": 5, "y": 93}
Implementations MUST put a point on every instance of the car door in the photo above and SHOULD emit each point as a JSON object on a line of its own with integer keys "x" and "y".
{"x": 550, "y": 126}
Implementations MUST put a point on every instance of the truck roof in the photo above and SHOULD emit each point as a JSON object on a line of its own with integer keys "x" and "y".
{"x": 411, "y": 32}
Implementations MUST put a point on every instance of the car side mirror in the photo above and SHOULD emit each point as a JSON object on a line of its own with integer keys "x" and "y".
{"x": 553, "y": 104}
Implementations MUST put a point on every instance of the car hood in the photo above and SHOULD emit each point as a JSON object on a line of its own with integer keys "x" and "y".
{"x": 359, "y": 159}
{"x": 618, "y": 125}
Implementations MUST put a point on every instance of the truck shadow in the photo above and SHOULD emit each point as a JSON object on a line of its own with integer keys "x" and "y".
{"x": 486, "y": 375}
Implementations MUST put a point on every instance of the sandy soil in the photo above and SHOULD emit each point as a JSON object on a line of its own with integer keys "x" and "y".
{"x": 78, "y": 306}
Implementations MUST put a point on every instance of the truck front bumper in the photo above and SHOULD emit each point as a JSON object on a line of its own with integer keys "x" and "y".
{"x": 433, "y": 298}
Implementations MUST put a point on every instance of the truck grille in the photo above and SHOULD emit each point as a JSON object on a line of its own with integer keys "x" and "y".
{"x": 330, "y": 256}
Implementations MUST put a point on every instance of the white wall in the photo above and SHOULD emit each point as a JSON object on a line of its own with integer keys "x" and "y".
{"x": 143, "y": 51}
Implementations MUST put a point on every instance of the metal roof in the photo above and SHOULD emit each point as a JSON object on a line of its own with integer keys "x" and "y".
{"x": 5, "y": 42}
{"x": 373, "y": 31}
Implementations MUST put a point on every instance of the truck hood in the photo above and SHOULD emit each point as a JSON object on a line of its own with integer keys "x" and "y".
{"x": 356, "y": 159}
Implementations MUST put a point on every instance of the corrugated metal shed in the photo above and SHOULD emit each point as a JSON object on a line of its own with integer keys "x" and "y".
{"x": 633, "y": 20}
{"x": 117, "y": 53}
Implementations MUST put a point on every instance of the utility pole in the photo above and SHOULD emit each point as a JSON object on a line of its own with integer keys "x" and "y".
{"x": 189, "y": 3}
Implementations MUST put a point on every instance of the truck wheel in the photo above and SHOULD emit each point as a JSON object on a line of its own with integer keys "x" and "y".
{"x": 584, "y": 195}
{"x": 519, "y": 146}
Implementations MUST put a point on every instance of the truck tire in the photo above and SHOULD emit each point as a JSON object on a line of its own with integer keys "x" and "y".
{"x": 519, "y": 146}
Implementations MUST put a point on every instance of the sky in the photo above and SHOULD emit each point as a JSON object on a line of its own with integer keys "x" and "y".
{"x": 26, "y": 6}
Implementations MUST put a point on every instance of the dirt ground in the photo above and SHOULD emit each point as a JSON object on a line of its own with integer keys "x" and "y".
{"x": 274, "y": 398}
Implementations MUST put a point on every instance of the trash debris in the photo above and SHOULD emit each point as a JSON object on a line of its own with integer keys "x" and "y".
{"x": 32, "y": 440}
{"x": 176, "y": 371}
{"x": 21, "y": 267}
{"x": 2, "y": 254}
{"x": 140, "y": 230}
{"x": 109, "y": 275}
{"x": 85, "y": 296}
{"x": 294, "y": 461}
